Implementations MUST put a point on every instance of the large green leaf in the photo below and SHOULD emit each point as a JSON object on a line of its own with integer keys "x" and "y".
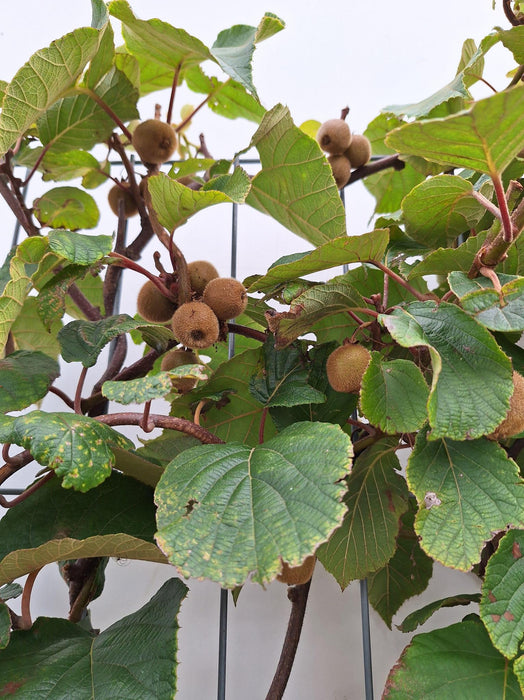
{"x": 117, "y": 519}
{"x": 68, "y": 165}
{"x": 340, "y": 251}
{"x": 66, "y": 207}
{"x": 458, "y": 661}
{"x": 405, "y": 575}
{"x": 13, "y": 297}
{"x": 502, "y": 604}
{"x": 376, "y": 498}
{"x": 484, "y": 138}
{"x": 47, "y": 75}
{"x": 445, "y": 260}
{"x": 78, "y": 448}
{"x": 394, "y": 395}
{"x": 499, "y": 311}
{"x": 422, "y": 615}
{"x": 467, "y": 491}
{"x": 513, "y": 39}
{"x": 174, "y": 203}
{"x": 83, "y": 341}
{"x": 296, "y": 185}
{"x": 29, "y": 332}
{"x": 25, "y": 377}
{"x": 440, "y": 209}
{"x": 463, "y": 355}
{"x": 135, "y": 658}
{"x": 226, "y": 512}
{"x": 79, "y": 248}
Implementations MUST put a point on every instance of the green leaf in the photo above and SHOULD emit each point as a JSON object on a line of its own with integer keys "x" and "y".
{"x": 117, "y": 519}
{"x": 77, "y": 121}
{"x": 68, "y": 165}
{"x": 296, "y": 185}
{"x": 405, "y": 575}
{"x": 66, "y": 207}
{"x": 134, "y": 658}
{"x": 422, "y": 615}
{"x": 47, "y": 75}
{"x": 394, "y": 395}
{"x": 458, "y": 661}
{"x": 174, "y": 203}
{"x": 78, "y": 448}
{"x": 99, "y": 14}
{"x": 5, "y": 625}
{"x": 13, "y": 298}
{"x": 138, "y": 390}
{"x": 463, "y": 354}
{"x": 25, "y": 377}
{"x": 29, "y": 333}
{"x": 226, "y": 512}
{"x": 339, "y": 251}
{"x": 233, "y": 49}
{"x": 376, "y": 498}
{"x": 502, "y": 604}
{"x": 135, "y": 465}
{"x": 513, "y": 39}
{"x": 440, "y": 209}
{"x": 10, "y": 590}
{"x": 103, "y": 59}
{"x": 499, "y": 311}
{"x": 445, "y": 260}
{"x": 470, "y": 490}
{"x": 454, "y": 92}
{"x": 282, "y": 378}
{"x": 83, "y": 341}
{"x": 52, "y": 297}
{"x": 485, "y": 138}
{"x": 79, "y": 248}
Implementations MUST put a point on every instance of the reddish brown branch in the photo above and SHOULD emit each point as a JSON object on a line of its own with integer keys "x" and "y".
{"x": 510, "y": 15}
{"x": 376, "y": 167}
{"x": 25, "y": 622}
{"x": 169, "y": 422}
{"x": 25, "y": 494}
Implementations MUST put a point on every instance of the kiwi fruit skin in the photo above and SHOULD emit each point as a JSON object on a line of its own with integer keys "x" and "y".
{"x": 296, "y": 575}
{"x": 200, "y": 273}
{"x": 334, "y": 136}
{"x": 513, "y": 423}
{"x": 226, "y": 296}
{"x": 119, "y": 193}
{"x": 341, "y": 168}
{"x": 195, "y": 325}
{"x": 152, "y": 305}
{"x": 359, "y": 151}
{"x": 154, "y": 141}
{"x": 345, "y": 367}
{"x": 176, "y": 358}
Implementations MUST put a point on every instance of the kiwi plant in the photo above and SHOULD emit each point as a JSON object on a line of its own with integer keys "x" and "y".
{"x": 358, "y": 412}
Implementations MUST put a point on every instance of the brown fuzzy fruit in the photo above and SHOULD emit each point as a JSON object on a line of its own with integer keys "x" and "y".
{"x": 226, "y": 296}
{"x": 152, "y": 305}
{"x": 176, "y": 358}
{"x": 296, "y": 575}
{"x": 195, "y": 325}
{"x": 341, "y": 168}
{"x": 200, "y": 273}
{"x": 154, "y": 141}
{"x": 359, "y": 151}
{"x": 122, "y": 193}
{"x": 334, "y": 136}
{"x": 345, "y": 367}
{"x": 513, "y": 423}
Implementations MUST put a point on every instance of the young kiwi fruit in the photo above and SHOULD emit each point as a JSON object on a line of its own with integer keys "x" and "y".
{"x": 122, "y": 193}
{"x": 341, "y": 167}
{"x": 200, "y": 273}
{"x": 176, "y": 358}
{"x": 334, "y": 136}
{"x": 345, "y": 367}
{"x": 226, "y": 296}
{"x": 154, "y": 141}
{"x": 295, "y": 575}
{"x": 513, "y": 423}
{"x": 359, "y": 151}
{"x": 152, "y": 305}
{"x": 195, "y": 325}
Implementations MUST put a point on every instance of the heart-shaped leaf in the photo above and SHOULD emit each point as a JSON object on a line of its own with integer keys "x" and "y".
{"x": 25, "y": 377}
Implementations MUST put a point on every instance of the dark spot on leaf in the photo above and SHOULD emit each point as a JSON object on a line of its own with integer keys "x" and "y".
{"x": 11, "y": 688}
{"x": 509, "y": 616}
{"x": 515, "y": 551}
{"x": 491, "y": 597}
{"x": 190, "y": 505}
{"x": 495, "y": 618}
{"x": 389, "y": 496}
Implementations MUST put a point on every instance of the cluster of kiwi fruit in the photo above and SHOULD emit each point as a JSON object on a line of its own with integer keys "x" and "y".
{"x": 345, "y": 149}
{"x": 196, "y": 324}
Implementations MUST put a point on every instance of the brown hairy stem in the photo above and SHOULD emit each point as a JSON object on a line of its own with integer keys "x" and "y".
{"x": 376, "y": 167}
{"x": 158, "y": 421}
{"x": 92, "y": 313}
{"x": 15, "y": 202}
{"x": 247, "y": 332}
{"x": 25, "y": 622}
{"x": 298, "y": 596}
{"x": 107, "y": 109}
{"x": 173, "y": 92}
{"x": 114, "y": 272}
{"x": 400, "y": 280}
{"x": 25, "y": 494}
{"x": 510, "y": 15}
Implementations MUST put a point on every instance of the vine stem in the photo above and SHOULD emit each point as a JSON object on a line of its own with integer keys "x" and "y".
{"x": 78, "y": 393}
{"x": 173, "y": 92}
{"x": 25, "y": 622}
{"x": 376, "y": 167}
{"x": 505, "y": 216}
{"x": 262, "y": 425}
{"x": 158, "y": 421}
{"x": 418, "y": 295}
{"x": 107, "y": 109}
{"x": 124, "y": 261}
{"x": 25, "y": 494}
{"x": 298, "y": 596}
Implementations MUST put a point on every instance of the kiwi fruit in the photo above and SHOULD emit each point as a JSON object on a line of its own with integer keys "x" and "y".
{"x": 152, "y": 305}
{"x": 345, "y": 367}
{"x": 176, "y": 358}
{"x": 122, "y": 193}
{"x": 154, "y": 141}
{"x": 359, "y": 151}
{"x": 341, "y": 168}
{"x": 295, "y": 575}
{"x": 200, "y": 273}
{"x": 226, "y": 296}
{"x": 513, "y": 423}
{"x": 195, "y": 325}
{"x": 334, "y": 136}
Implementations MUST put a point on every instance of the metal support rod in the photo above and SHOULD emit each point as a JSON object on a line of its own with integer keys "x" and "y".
{"x": 366, "y": 639}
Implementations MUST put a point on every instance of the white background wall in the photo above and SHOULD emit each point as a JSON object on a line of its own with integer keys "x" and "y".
{"x": 366, "y": 56}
